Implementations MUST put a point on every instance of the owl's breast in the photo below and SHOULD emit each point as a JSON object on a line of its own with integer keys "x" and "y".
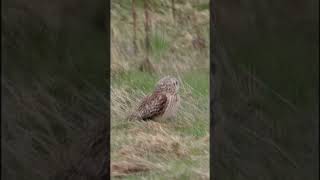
{"x": 173, "y": 106}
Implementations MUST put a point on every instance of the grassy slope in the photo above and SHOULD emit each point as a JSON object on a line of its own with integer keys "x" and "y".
{"x": 172, "y": 149}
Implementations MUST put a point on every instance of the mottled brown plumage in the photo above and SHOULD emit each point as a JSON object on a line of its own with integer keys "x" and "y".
{"x": 162, "y": 103}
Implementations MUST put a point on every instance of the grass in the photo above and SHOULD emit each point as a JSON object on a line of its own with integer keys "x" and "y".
{"x": 159, "y": 44}
{"x": 173, "y": 147}
{"x": 170, "y": 149}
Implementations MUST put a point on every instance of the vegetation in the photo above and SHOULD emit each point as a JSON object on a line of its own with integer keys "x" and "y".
{"x": 170, "y": 149}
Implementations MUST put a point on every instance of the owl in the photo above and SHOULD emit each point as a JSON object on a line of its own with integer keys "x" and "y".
{"x": 163, "y": 103}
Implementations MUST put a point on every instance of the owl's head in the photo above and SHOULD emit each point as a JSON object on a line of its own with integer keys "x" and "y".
{"x": 168, "y": 84}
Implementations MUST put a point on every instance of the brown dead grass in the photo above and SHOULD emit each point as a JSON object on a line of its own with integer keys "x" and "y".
{"x": 158, "y": 143}
{"x": 151, "y": 138}
{"x": 123, "y": 168}
{"x": 147, "y": 137}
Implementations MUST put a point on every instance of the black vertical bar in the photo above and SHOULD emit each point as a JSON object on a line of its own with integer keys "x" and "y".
{"x": 213, "y": 48}
{"x": 108, "y": 96}
{"x": 108, "y": 117}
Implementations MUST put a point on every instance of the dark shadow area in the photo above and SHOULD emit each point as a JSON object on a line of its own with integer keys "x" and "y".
{"x": 265, "y": 89}
{"x": 55, "y": 89}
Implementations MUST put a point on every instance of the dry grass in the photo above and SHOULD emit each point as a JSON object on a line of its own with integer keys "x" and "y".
{"x": 124, "y": 168}
{"x": 151, "y": 147}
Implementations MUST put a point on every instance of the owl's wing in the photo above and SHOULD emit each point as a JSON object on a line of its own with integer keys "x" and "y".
{"x": 152, "y": 106}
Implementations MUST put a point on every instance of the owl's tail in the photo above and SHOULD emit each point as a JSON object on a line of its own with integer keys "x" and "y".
{"x": 133, "y": 116}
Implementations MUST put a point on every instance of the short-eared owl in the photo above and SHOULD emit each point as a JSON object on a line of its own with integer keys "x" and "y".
{"x": 162, "y": 103}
